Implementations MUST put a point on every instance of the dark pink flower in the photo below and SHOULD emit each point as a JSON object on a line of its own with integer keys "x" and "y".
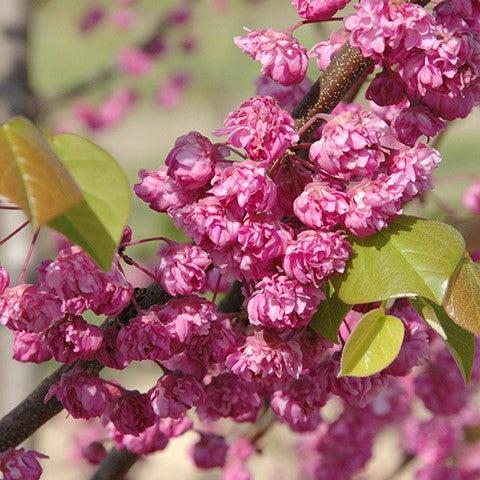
{"x": 31, "y": 347}
{"x": 414, "y": 122}
{"x": 282, "y": 57}
{"x": 386, "y": 89}
{"x": 210, "y": 451}
{"x": 318, "y": 10}
{"x": 20, "y": 464}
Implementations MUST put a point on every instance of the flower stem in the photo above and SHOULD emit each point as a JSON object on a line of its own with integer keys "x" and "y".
{"x": 21, "y": 278}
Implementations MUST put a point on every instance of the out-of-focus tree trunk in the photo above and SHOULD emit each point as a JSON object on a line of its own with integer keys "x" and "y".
{"x": 16, "y": 98}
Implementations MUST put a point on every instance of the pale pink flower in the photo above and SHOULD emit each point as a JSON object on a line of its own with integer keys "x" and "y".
{"x": 192, "y": 160}
{"x": 318, "y": 10}
{"x": 182, "y": 268}
{"x": 261, "y": 127}
{"x": 315, "y": 256}
{"x": 321, "y": 206}
{"x": 134, "y": 61}
{"x": 282, "y": 57}
{"x": 175, "y": 394}
{"x": 82, "y": 395}
{"x": 30, "y": 347}
{"x": 20, "y": 464}
{"x": 471, "y": 197}
{"x": 171, "y": 92}
{"x": 248, "y": 185}
{"x": 28, "y": 308}
{"x": 324, "y": 51}
{"x": 122, "y": 18}
{"x": 210, "y": 451}
{"x": 229, "y": 396}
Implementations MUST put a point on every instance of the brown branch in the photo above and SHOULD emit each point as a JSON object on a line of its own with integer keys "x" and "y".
{"x": 115, "y": 465}
{"x": 32, "y": 413}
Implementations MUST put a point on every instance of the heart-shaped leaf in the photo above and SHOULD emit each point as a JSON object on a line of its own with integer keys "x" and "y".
{"x": 330, "y": 315}
{"x": 97, "y": 223}
{"x": 373, "y": 345}
{"x": 462, "y": 302}
{"x": 412, "y": 257}
{"x": 460, "y": 342}
{"x": 32, "y": 175}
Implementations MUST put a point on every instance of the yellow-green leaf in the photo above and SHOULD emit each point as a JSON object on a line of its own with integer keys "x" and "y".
{"x": 460, "y": 342}
{"x": 412, "y": 257}
{"x": 31, "y": 174}
{"x": 373, "y": 345}
{"x": 97, "y": 223}
{"x": 329, "y": 316}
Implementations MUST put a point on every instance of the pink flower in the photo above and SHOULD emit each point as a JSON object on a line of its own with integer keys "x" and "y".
{"x": 210, "y": 451}
{"x": 122, "y": 18}
{"x": 248, "y": 185}
{"x": 20, "y": 464}
{"x": 72, "y": 338}
{"x": 324, "y": 51}
{"x": 318, "y": 10}
{"x": 282, "y": 57}
{"x": 182, "y": 268}
{"x": 280, "y": 302}
{"x": 4, "y": 279}
{"x": 229, "y": 396}
{"x": 192, "y": 160}
{"x": 266, "y": 356}
{"x": 145, "y": 338}
{"x": 471, "y": 198}
{"x": 175, "y": 394}
{"x": 160, "y": 192}
{"x": 31, "y": 347}
{"x": 351, "y": 144}
{"x": 261, "y": 127}
{"x": 315, "y": 256}
{"x": 109, "y": 354}
{"x": 82, "y": 395}
{"x": 414, "y": 122}
{"x": 288, "y": 97}
{"x": 372, "y": 204}
{"x": 134, "y": 61}
{"x": 77, "y": 280}
{"x": 27, "y": 308}
{"x": 386, "y": 89}
{"x": 132, "y": 413}
{"x": 321, "y": 206}
{"x": 436, "y": 471}
{"x": 170, "y": 93}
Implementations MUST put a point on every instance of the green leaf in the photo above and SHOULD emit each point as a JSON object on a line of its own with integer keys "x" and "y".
{"x": 460, "y": 342}
{"x": 412, "y": 257}
{"x": 373, "y": 345}
{"x": 32, "y": 175}
{"x": 330, "y": 315}
{"x": 462, "y": 302}
{"x": 97, "y": 223}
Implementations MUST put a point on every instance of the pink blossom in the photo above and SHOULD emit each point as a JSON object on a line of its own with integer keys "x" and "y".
{"x": 386, "y": 89}
{"x": 414, "y": 122}
{"x": 160, "y": 192}
{"x": 210, "y": 451}
{"x": 115, "y": 107}
{"x": 122, "y": 18}
{"x": 351, "y": 144}
{"x": 28, "y": 308}
{"x": 261, "y": 127}
{"x": 30, "y": 347}
{"x": 229, "y": 396}
{"x": 471, "y": 197}
{"x": 145, "y": 338}
{"x": 175, "y": 394}
{"x": 324, "y": 51}
{"x": 315, "y": 256}
{"x": 372, "y": 204}
{"x": 82, "y": 395}
{"x": 109, "y": 354}
{"x": 318, "y": 10}
{"x": 192, "y": 160}
{"x": 248, "y": 185}
{"x": 76, "y": 279}
{"x": 282, "y": 57}
{"x": 436, "y": 471}
{"x": 132, "y": 413}
{"x": 72, "y": 338}
{"x": 91, "y": 19}
{"x": 264, "y": 355}
{"x": 20, "y": 464}
{"x": 4, "y": 279}
{"x": 288, "y": 97}
{"x": 171, "y": 92}
{"x": 182, "y": 268}
{"x": 280, "y": 302}
{"x": 134, "y": 61}
{"x": 236, "y": 471}
{"x": 321, "y": 206}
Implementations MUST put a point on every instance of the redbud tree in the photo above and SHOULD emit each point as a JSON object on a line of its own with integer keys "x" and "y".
{"x": 302, "y": 287}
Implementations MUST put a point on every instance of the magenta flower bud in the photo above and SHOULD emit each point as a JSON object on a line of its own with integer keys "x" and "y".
{"x": 210, "y": 451}
{"x": 318, "y": 10}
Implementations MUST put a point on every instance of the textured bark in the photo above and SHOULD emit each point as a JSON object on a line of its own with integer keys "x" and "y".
{"x": 115, "y": 465}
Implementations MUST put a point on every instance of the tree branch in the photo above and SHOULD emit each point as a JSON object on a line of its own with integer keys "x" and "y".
{"x": 115, "y": 465}
{"x": 32, "y": 413}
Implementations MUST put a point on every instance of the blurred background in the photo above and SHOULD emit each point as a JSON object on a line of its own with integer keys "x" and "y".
{"x": 133, "y": 76}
